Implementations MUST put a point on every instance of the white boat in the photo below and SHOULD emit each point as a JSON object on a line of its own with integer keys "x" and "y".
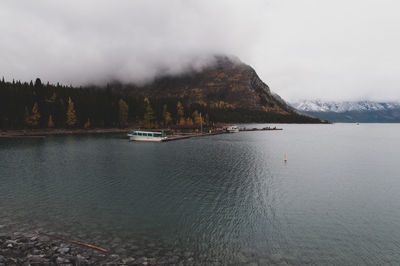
{"x": 147, "y": 136}
{"x": 232, "y": 129}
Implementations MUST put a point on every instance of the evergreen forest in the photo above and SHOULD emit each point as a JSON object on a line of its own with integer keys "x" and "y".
{"x": 37, "y": 105}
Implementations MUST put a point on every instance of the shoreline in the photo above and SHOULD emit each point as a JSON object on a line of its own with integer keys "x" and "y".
{"x": 26, "y": 133}
{"x": 41, "y": 133}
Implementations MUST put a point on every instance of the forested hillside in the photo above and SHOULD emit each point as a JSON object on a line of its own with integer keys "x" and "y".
{"x": 38, "y": 105}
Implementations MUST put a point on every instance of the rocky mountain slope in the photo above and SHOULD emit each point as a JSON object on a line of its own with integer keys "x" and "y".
{"x": 228, "y": 84}
{"x": 351, "y": 111}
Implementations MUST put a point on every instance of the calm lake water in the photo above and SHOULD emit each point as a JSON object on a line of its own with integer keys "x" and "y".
{"x": 228, "y": 198}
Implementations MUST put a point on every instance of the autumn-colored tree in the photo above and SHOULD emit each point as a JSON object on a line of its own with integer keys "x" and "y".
{"x": 189, "y": 122}
{"x": 52, "y": 99}
{"x": 50, "y": 123}
{"x": 180, "y": 112}
{"x": 196, "y": 118}
{"x": 207, "y": 120}
{"x": 181, "y": 121}
{"x": 32, "y": 119}
{"x": 123, "y": 113}
{"x": 166, "y": 116}
{"x": 71, "y": 116}
{"x": 148, "y": 115}
{"x": 87, "y": 124}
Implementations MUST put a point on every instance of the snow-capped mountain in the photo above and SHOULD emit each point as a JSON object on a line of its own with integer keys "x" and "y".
{"x": 351, "y": 111}
{"x": 341, "y": 107}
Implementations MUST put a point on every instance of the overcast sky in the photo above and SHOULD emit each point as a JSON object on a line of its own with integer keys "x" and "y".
{"x": 303, "y": 49}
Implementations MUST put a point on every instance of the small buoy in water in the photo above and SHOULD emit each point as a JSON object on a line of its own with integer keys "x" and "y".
{"x": 285, "y": 157}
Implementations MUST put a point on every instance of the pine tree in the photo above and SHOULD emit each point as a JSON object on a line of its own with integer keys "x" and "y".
{"x": 87, "y": 124}
{"x": 180, "y": 112}
{"x": 189, "y": 122}
{"x": 50, "y": 124}
{"x": 123, "y": 113}
{"x": 197, "y": 118}
{"x": 166, "y": 116}
{"x": 207, "y": 120}
{"x": 27, "y": 117}
{"x": 32, "y": 120}
{"x": 52, "y": 99}
{"x": 149, "y": 114}
{"x": 38, "y": 82}
{"x": 35, "y": 114}
{"x": 71, "y": 116}
{"x": 181, "y": 121}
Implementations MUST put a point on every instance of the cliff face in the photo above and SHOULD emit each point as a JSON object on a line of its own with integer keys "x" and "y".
{"x": 228, "y": 83}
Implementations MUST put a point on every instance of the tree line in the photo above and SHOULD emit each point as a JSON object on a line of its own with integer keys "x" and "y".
{"x": 38, "y": 105}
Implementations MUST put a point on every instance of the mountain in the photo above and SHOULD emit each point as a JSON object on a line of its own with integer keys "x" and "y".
{"x": 228, "y": 85}
{"x": 351, "y": 111}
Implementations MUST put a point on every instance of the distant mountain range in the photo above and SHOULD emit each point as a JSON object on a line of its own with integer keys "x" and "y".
{"x": 351, "y": 111}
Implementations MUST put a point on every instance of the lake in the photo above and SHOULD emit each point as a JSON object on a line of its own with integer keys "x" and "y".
{"x": 228, "y": 199}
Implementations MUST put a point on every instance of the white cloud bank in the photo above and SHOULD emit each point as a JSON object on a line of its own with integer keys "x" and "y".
{"x": 336, "y": 50}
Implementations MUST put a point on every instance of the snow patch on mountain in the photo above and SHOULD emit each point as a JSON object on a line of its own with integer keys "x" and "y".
{"x": 346, "y": 106}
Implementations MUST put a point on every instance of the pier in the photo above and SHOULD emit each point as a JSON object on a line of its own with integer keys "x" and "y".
{"x": 192, "y": 135}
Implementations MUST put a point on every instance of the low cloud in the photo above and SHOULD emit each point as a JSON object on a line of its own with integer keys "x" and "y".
{"x": 335, "y": 50}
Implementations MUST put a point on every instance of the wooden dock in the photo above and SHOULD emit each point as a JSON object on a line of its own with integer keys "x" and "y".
{"x": 192, "y": 135}
{"x": 187, "y": 136}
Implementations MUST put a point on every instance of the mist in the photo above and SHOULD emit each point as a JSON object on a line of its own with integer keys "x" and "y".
{"x": 333, "y": 50}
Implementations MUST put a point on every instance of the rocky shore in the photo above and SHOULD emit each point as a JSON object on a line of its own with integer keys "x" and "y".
{"x": 26, "y": 247}
{"x": 21, "y": 248}
{"x": 29, "y": 248}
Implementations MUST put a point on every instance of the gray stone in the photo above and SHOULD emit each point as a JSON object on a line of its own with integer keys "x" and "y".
{"x": 36, "y": 251}
{"x": 80, "y": 260}
{"x": 114, "y": 257}
{"x": 61, "y": 260}
{"x": 63, "y": 250}
{"x": 36, "y": 258}
{"x": 4, "y": 236}
{"x": 128, "y": 260}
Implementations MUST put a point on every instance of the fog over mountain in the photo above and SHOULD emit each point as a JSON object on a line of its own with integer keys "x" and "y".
{"x": 333, "y": 50}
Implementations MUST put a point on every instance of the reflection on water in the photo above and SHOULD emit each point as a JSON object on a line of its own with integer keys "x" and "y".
{"x": 228, "y": 198}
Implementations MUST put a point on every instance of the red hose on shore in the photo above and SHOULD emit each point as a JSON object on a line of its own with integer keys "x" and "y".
{"x": 70, "y": 241}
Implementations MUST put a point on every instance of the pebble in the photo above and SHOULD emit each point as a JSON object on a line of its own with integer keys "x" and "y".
{"x": 61, "y": 260}
{"x": 63, "y": 250}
